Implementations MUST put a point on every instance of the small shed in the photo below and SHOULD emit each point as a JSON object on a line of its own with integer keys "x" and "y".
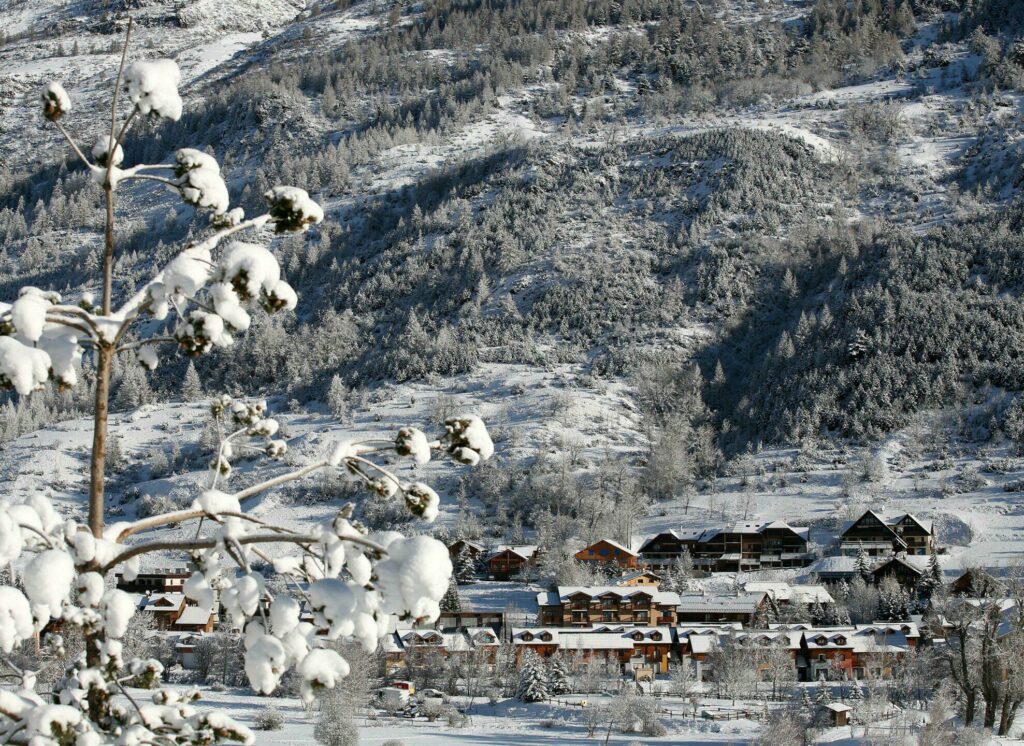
{"x": 838, "y": 714}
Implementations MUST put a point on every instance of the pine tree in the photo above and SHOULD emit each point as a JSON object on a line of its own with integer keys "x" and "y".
{"x": 191, "y": 386}
{"x": 337, "y": 399}
{"x": 464, "y": 566}
{"x": 863, "y": 565}
{"x": 533, "y": 680}
{"x": 133, "y": 390}
{"x": 558, "y": 676}
{"x": 450, "y": 601}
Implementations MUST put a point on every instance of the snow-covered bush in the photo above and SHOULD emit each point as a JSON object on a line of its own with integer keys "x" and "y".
{"x": 268, "y": 719}
{"x": 355, "y": 582}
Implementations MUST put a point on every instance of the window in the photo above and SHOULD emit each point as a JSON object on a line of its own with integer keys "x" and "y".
{"x": 527, "y": 636}
{"x": 822, "y": 657}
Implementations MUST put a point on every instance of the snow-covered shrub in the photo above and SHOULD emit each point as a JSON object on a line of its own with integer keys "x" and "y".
{"x": 268, "y": 719}
{"x": 356, "y": 581}
{"x": 335, "y": 725}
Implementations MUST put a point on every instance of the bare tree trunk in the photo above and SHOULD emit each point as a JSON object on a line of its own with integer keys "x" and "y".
{"x": 97, "y": 465}
{"x": 99, "y": 700}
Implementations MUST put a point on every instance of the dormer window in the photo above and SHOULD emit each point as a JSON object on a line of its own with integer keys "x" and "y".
{"x": 840, "y": 640}
{"x": 546, "y": 636}
{"x": 656, "y": 636}
{"x": 638, "y": 636}
{"x": 821, "y": 640}
{"x": 527, "y": 636}
{"x": 905, "y": 629}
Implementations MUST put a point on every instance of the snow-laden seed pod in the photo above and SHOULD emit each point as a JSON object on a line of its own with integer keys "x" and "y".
{"x": 292, "y": 209}
{"x": 56, "y": 101}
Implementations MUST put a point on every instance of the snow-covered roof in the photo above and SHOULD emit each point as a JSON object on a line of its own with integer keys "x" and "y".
{"x": 836, "y": 564}
{"x": 797, "y": 594}
{"x": 838, "y": 707}
{"x": 602, "y": 637}
{"x": 699, "y": 602}
{"x": 631, "y": 576}
{"x": 563, "y": 593}
{"x": 612, "y": 543}
{"x": 526, "y": 551}
{"x": 162, "y": 602}
{"x": 194, "y": 615}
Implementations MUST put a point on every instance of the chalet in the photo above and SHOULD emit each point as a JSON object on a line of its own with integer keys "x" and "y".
{"x": 639, "y": 577}
{"x": 404, "y": 646}
{"x": 878, "y": 534}
{"x": 451, "y": 621}
{"x": 785, "y": 594}
{"x": 195, "y": 619}
{"x": 508, "y": 561}
{"x": 851, "y": 651}
{"x": 707, "y": 608}
{"x": 732, "y": 548}
{"x": 163, "y": 608}
{"x": 474, "y": 550}
{"x": 608, "y": 552}
{"x": 185, "y": 649}
{"x": 620, "y": 646}
{"x": 589, "y": 606}
{"x": 906, "y": 573}
{"x": 977, "y": 583}
{"x": 161, "y": 580}
{"x": 665, "y": 548}
{"x": 694, "y": 643}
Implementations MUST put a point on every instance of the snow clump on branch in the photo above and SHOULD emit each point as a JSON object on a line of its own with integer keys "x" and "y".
{"x": 56, "y": 101}
{"x": 153, "y": 87}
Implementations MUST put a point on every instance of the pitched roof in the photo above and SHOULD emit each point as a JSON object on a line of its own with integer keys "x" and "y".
{"x": 699, "y": 602}
{"x": 194, "y": 615}
{"x": 563, "y": 593}
{"x": 636, "y": 574}
{"x": 526, "y": 551}
{"x": 162, "y": 602}
{"x": 610, "y": 542}
{"x": 798, "y": 594}
{"x": 604, "y": 637}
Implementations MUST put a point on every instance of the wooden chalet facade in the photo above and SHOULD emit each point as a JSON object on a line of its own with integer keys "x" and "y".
{"x": 163, "y": 580}
{"x": 507, "y": 562}
{"x": 879, "y": 535}
{"x": 619, "y": 647}
{"x": 596, "y": 605}
{"x": 608, "y": 552}
{"x": 639, "y": 577}
{"x": 846, "y": 652}
{"x": 733, "y": 548}
{"x": 405, "y": 648}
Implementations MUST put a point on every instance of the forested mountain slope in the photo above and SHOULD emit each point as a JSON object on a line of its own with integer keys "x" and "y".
{"x": 770, "y": 223}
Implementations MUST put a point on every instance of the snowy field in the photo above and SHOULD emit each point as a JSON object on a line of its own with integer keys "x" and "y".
{"x": 509, "y": 723}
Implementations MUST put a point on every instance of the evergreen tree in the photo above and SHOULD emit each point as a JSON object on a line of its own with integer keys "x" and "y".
{"x": 464, "y": 566}
{"x": 863, "y": 565}
{"x": 133, "y": 390}
{"x": 558, "y": 676}
{"x": 533, "y": 680}
{"x": 450, "y": 601}
{"x": 337, "y": 399}
{"x": 191, "y": 386}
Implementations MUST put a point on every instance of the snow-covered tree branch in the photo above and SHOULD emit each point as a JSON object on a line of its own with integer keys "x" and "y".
{"x": 355, "y": 583}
